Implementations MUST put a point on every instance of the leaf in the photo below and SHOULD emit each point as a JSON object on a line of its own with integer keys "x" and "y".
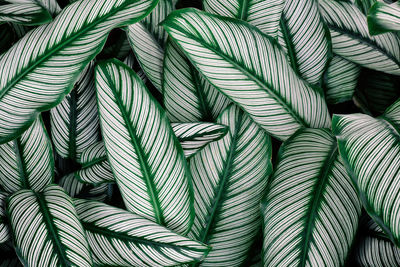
{"x": 46, "y": 229}
{"x": 305, "y": 39}
{"x": 75, "y": 122}
{"x": 188, "y": 97}
{"x": 383, "y": 18}
{"x": 26, "y": 13}
{"x": 27, "y": 162}
{"x": 311, "y": 209}
{"x": 340, "y": 80}
{"x": 147, "y": 40}
{"x": 146, "y": 159}
{"x": 263, "y": 14}
{"x": 229, "y": 179}
{"x": 250, "y": 69}
{"x": 111, "y": 231}
{"x": 41, "y": 68}
{"x": 351, "y": 40}
{"x": 4, "y": 228}
{"x": 370, "y": 150}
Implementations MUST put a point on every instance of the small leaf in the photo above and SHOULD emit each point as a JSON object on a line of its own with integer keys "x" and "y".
{"x": 383, "y": 18}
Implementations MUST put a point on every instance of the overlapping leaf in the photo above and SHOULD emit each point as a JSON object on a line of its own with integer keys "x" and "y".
{"x": 371, "y": 151}
{"x": 40, "y": 69}
{"x": 46, "y": 229}
{"x": 27, "y": 162}
{"x": 145, "y": 156}
{"x": 229, "y": 179}
{"x": 121, "y": 238}
{"x": 23, "y": 12}
{"x": 311, "y": 209}
{"x": 383, "y": 17}
{"x": 249, "y": 68}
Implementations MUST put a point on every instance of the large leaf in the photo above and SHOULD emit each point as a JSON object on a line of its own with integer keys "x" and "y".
{"x": 148, "y": 38}
{"x": 305, "y": 39}
{"x": 46, "y": 229}
{"x": 311, "y": 209}
{"x": 229, "y": 178}
{"x": 144, "y": 154}
{"x": 40, "y": 69}
{"x": 192, "y": 136}
{"x": 27, "y": 162}
{"x": 75, "y": 122}
{"x": 383, "y": 18}
{"x": 370, "y": 149}
{"x": 4, "y": 228}
{"x": 351, "y": 40}
{"x": 188, "y": 97}
{"x": 23, "y": 12}
{"x": 249, "y": 68}
{"x": 264, "y": 14}
{"x": 120, "y": 238}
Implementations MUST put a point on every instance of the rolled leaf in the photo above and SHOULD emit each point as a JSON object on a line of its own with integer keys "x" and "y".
{"x": 41, "y": 68}
{"x": 383, "y": 18}
{"x": 259, "y": 80}
{"x": 311, "y": 210}
{"x": 229, "y": 179}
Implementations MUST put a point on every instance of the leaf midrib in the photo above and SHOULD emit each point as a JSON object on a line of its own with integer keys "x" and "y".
{"x": 93, "y": 162}
{"x": 289, "y": 44}
{"x": 23, "y": 174}
{"x": 205, "y": 109}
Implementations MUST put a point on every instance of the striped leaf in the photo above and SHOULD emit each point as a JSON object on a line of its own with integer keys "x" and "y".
{"x": 145, "y": 157}
{"x": 305, "y": 39}
{"x": 188, "y": 97}
{"x": 147, "y": 39}
{"x": 24, "y": 12}
{"x": 46, "y": 229}
{"x": 192, "y": 136}
{"x": 229, "y": 178}
{"x": 27, "y": 162}
{"x": 4, "y": 228}
{"x": 311, "y": 209}
{"x": 351, "y": 40}
{"x": 264, "y": 14}
{"x": 75, "y": 122}
{"x": 340, "y": 80}
{"x": 383, "y": 18}
{"x": 120, "y": 238}
{"x": 41, "y": 68}
{"x": 370, "y": 149}
{"x": 377, "y": 252}
{"x": 250, "y": 69}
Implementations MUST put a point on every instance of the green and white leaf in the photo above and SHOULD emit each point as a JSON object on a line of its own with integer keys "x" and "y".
{"x": 27, "y": 162}
{"x": 75, "y": 122}
{"x": 311, "y": 210}
{"x": 147, "y": 39}
{"x": 229, "y": 179}
{"x": 352, "y": 41}
{"x": 4, "y": 228}
{"x": 146, "y": 159}
{"x": 373, "y": 251}
{"x": 370, "y": 149}
{"x": 188, "y": 97}
{"x": 340, "y": 80}
{"x": 263, "y": 14}
{"x": 383, "y": 18}
{"x": 250, "y": 69}
{"x": 305, "y": 39}
{"x": 120, "y": 238}
{"x": 46, "y": 229}
{"x": 24, "y": 12}
{"x": 42, "y": 67}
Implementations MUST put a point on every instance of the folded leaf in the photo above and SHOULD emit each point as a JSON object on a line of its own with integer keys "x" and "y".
{"x": 250, "y": 69}
{"x": 46, "y": 229}
{"x": 229, "y": 179}
{"x": 75, "y": 122}
{"x": 4, "y": 228}
{"x": 120, "y": 238}
{"x": 383, "y": 18}
{"x": 147, "y": 39}
{"x": 27, "y": 162}
{"x": 311, "y": 210}
{"x": 351, "y": 40}
{"x": 40, "y": 69}
{"x": 26, "y": 13}
{"x": 188, "y": 97}
{"x": 371, "y": 151}
{"x": 145, "y": 157}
